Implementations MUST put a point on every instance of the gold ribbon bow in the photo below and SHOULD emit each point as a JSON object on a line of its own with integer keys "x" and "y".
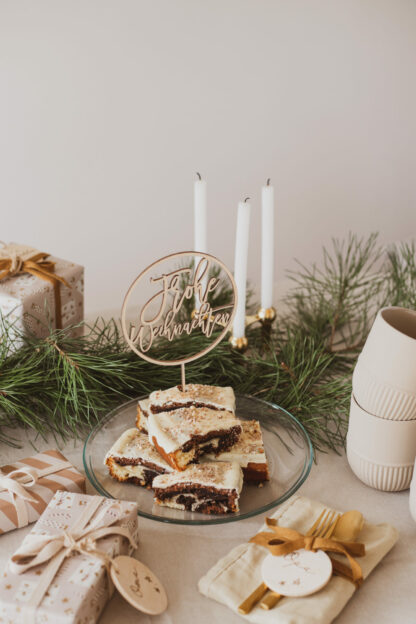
{"x": 37, "y": 265}
{"x": 282, "y": 541}
{"x": 16, "y": 483}
{"x": 54, "y": 549}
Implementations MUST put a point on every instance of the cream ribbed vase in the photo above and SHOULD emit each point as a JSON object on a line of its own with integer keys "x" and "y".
{"x": 381, "y": 398}
{"x": 384, "y": 379}
{"x": 381, "y": 452}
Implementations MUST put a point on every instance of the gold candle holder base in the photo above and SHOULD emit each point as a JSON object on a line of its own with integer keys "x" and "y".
{"x": 265, "y": 316}
{"x": 239, "y": 344}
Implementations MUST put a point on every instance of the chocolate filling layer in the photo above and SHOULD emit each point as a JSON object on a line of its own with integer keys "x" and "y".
{"x": 145, "y": 480}
{"x": 208, "y": 506}
{"x": 227, "y": 438}
{"x": 148, "y": 476}
{"x": 138, "y": 461}
{"x": 169, "y": 407}
{"x": 200, "y": 492}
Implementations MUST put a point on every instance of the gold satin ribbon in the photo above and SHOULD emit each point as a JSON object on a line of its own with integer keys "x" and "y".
{"x": 38, "y": 266}
{"x": 54, "y": 549}
{"x": 282, "y": 541}
{"x": 17, "y": 481}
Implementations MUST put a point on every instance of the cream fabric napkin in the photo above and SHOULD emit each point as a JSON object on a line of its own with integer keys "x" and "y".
{"x": 237, "y": 574}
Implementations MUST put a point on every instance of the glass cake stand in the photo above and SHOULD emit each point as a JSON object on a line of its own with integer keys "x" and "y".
{"x": 288, "y": 449}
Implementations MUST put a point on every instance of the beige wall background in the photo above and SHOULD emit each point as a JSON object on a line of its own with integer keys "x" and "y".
{"x": 107, "y": 109}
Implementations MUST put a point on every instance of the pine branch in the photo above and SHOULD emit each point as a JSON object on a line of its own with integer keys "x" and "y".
{"x": 63, "y": 385}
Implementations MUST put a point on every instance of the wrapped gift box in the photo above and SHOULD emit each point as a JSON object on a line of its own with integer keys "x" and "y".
{"x": 79, "y": 590}
{"x": 53, "y": 472}
{"x": 28, "y": 301}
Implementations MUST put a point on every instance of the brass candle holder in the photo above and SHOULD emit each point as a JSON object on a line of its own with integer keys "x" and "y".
{"x": 264, "y": 316}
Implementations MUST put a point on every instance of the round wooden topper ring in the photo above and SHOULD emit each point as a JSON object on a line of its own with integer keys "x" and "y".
{"x": 138, "y": 585}
{"x": 300, "y": 573}
{"x": 143, "y": 274}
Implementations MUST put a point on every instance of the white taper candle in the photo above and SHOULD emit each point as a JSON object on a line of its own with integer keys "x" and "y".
{"x": 240, "y": 266}
{"x": 200, "y": 214}
{"x": 267, "y": 245}
{"x": 200, "y": 224}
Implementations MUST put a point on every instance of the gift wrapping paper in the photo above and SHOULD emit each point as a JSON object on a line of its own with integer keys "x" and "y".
{"x": 79, "y": 590}
{"x": 68, "y": 479}
{"x": 29, "y": 302}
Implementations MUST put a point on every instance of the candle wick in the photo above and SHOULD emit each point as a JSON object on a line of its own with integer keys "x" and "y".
{"x": 199, "y": 175}
{"x": 268, "y": 182}
{"x": 246, "y": 199}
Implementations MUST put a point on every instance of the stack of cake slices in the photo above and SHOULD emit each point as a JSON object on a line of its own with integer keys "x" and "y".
{"x": 190, "y": 448}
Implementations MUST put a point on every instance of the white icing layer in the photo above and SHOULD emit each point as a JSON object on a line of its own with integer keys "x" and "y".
{"x": 133, "y": 444}
{"x": 249, "y": 448}
{"x": 172, "y": 430}
{"x": 144, "y": 405}
{"x": 219, "y": 475}
{"x": 211, "y": 396}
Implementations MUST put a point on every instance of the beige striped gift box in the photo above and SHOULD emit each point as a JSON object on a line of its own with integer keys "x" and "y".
{"x": 27, "y": 486}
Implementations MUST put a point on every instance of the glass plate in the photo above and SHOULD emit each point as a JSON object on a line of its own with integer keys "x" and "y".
{"x": 288, "y": 449}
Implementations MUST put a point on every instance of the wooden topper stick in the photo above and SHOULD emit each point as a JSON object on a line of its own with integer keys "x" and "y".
{"x": 183, "y": 376}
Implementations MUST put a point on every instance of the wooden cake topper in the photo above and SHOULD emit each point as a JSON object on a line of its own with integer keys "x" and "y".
{"x": 159, "y": 295}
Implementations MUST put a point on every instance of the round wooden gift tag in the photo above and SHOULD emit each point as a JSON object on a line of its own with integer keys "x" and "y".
{"x": 299, "y": 573}
{"x": 138, "y": 585}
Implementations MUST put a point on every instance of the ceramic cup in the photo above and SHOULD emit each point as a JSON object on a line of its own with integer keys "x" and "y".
{"x": 384, "y": 379}
{"x": 381, "y": 452}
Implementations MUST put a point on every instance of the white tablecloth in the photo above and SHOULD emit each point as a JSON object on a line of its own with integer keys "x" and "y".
{"x": 180, "y": 555}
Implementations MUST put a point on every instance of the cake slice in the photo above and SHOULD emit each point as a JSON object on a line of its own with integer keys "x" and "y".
{"x": 211, "y": 488}
{"x": 194, "y": 395}
{"x": 182, "y": 435}
{"x": 143, "y": 408}
{"x": 248, "y": 452}
{"x": 132, "y": 458}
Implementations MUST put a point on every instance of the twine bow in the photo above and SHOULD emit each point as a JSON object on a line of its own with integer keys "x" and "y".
{"x": 282, "y": 541}
{"x": 37, "y": 265}
{"x": 54, "y": 549}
